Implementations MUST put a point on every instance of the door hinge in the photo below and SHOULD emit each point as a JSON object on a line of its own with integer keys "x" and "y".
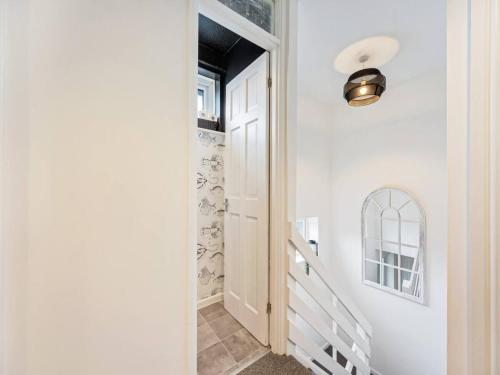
{"x": 269, "y": 82}
{"x": 226, "y": 204}
{"x": 268, "y": 310}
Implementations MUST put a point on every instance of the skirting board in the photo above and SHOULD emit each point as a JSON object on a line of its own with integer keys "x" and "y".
{"x": 210, "y": 300}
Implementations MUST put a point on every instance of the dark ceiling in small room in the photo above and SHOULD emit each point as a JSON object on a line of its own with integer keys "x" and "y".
{"x": 216, "y": 37}
{"x": 223, "y": 52}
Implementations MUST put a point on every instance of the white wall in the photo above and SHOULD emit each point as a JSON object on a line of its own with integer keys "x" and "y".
{"x": 96, "y": 187}
{"x": 400, "y": 141}
{"x": 14, "y": 169}
{"x": 496, "y": 177}
{"x": 408, "y": 152}
{"x": 313, "y": 164}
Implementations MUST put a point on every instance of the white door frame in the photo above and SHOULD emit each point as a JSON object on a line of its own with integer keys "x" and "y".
{"x": 472, "y": 246}
{"x": 278, "y": 49}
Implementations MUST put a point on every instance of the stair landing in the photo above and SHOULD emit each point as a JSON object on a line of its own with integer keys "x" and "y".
{"x": 274, "y": 364}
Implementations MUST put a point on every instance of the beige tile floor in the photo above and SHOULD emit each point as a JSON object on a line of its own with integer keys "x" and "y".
{"x": 224, "y": 346}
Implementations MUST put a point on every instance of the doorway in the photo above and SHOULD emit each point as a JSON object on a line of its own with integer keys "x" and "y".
{"x": 232, "y": 200}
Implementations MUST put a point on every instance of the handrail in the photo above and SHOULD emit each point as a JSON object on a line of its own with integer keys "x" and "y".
{"x": 329, "y": 308}
{"x": 327, "y": 277}
{"x": 325, "y": 292}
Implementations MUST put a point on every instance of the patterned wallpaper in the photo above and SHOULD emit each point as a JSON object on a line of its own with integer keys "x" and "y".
{"x": 260, "y": 12}
{"x": 210, "y": 184}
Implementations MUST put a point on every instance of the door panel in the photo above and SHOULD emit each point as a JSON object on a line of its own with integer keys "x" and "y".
{"x": 247, "y": 218}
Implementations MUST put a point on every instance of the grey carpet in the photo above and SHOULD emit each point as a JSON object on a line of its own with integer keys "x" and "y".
{"x": 273, "y": 364}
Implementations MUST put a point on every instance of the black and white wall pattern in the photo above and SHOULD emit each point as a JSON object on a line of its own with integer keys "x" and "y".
{"x": 210, "y": 184}
{"x": 260, "y": 12}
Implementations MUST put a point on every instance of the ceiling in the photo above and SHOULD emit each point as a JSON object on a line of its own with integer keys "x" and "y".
{"x": 326, "y": 27}
{"x": 215, "y": 36}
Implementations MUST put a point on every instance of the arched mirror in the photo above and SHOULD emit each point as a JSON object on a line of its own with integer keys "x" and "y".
{"x": 393, "y": 235}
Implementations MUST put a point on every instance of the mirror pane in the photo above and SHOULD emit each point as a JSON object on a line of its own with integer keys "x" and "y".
{"x": 391, "y": 277}
{"x": 393, "y": 240}
{"x": 372, "y": 272}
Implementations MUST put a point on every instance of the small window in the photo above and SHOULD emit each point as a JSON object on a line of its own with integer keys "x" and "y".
{"x": 308, "y": 228}
{"x": 393, "y": 236}
{"x": 206, "y": 96}
{"x": 201, "y": 100}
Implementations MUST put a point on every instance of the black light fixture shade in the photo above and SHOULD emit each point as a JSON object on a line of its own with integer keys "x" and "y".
{"x": 364, "y": 87}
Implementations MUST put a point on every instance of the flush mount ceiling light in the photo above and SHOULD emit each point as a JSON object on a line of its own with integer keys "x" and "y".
{"x": 367, "y": 83}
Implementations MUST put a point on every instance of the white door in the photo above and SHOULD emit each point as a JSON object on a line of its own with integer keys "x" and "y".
{"x": 246, "y": 227}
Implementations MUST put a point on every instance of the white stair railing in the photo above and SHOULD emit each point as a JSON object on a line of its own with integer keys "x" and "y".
{"x": 320, "y": 316}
